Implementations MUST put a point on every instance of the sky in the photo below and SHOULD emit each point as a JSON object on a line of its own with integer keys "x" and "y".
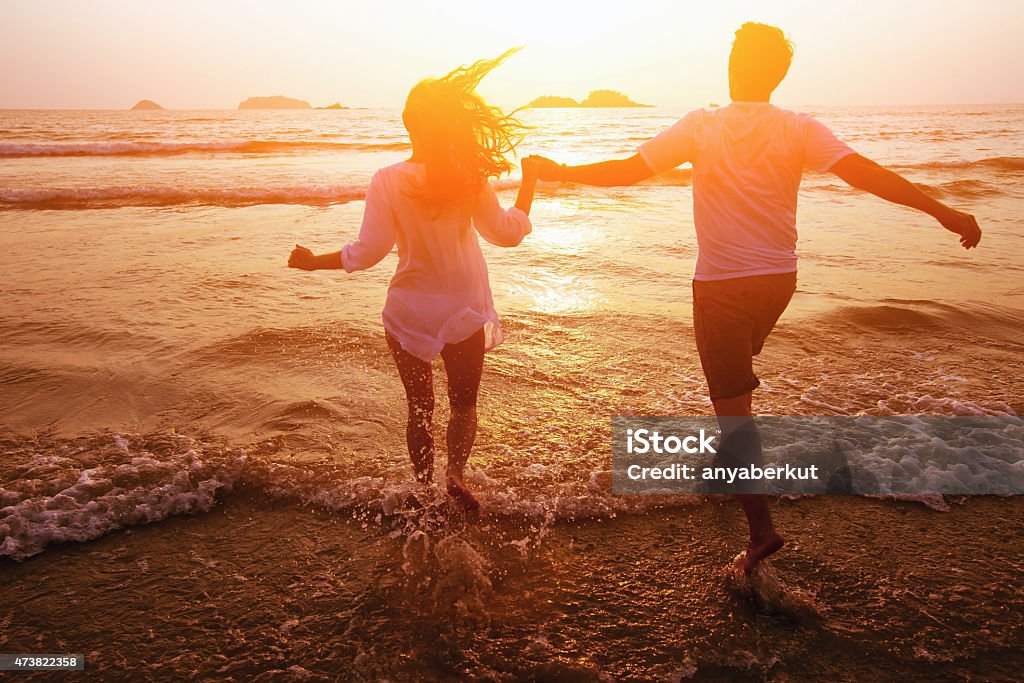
{"x": 187, "y": 54}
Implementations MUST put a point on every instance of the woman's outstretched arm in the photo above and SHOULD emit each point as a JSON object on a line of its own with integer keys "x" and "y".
{"x": 304, "y": 259}
{"x": 377, "y": 236}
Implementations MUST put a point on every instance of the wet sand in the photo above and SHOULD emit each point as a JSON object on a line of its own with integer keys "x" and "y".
{"x": 258, "y": 591}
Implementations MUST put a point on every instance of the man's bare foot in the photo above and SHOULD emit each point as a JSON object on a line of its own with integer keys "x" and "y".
{"x": 748, "y": 561}
{"x": 457, "y": 490}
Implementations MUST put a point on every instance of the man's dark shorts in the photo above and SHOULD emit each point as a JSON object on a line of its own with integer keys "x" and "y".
{"x": 731, "y": 320}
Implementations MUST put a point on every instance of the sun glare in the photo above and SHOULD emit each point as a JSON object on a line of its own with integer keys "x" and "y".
{"x": 555, "y": 292}
{"x": 567, "y": 239}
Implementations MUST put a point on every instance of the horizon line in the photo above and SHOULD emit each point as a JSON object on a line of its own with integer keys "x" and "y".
{"x": 398, "y": 108}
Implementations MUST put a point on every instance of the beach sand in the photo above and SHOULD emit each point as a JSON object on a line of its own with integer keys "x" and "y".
{"x": 284, "y": 592}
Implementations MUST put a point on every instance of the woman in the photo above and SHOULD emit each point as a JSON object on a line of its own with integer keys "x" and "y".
{"x": 439, "y": 300}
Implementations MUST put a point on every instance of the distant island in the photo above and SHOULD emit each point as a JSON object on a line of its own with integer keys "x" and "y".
{"x": 596, "y": 99}
{"x": 333, "y": 106}
{"x": 553, "y": 102}
{"x": 275, "y": 102}
{"x": 146, "y": 104}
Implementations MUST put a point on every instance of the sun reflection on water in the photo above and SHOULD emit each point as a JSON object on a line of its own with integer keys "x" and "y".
{"x": 565, "y": 238}
{"x": 556, "y": 293}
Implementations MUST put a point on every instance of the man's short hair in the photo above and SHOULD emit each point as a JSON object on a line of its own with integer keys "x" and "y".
{"x": 761, "y": 55}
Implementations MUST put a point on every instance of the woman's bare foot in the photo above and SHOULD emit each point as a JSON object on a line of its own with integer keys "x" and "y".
{"x": 457, "y": 490}
{"x": 756, "y": 552}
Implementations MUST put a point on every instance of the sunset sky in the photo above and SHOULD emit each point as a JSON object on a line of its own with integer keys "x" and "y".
{"x": 192, "y": 54}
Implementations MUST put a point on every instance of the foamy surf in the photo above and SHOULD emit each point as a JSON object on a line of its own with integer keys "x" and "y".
{"x": 57, "y": 500}
{"x": 80, "y": 490}
{"x": 118, "y": 481}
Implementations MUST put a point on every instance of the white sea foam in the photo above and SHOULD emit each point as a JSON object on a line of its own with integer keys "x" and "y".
{"x": 59, "y": 495}
{"x": 57, "y": 500}
{"x": 913, "y": 458}
{"x": 110, "y": 497}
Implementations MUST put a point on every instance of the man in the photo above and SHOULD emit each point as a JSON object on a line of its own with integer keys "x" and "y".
{"x": 748, "y": 159}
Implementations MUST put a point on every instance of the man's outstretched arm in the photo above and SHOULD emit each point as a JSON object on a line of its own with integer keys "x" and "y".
{"x": 602, "y": 174}
{"x": 864, "y": 174}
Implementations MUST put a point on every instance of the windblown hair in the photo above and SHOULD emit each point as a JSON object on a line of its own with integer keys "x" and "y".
{"x": 463, "y": 140}
{"x": 760, "y": 58}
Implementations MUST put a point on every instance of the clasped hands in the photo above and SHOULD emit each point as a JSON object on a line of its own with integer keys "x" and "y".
{"x": 542, "y": 168}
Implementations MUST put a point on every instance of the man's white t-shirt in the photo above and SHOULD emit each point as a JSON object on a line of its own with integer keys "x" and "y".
{"x": 748, "y": 159}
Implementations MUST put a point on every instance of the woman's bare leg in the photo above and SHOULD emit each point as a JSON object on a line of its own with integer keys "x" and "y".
{"x": 463, "y": 362}
{"x": 417, "y": 379}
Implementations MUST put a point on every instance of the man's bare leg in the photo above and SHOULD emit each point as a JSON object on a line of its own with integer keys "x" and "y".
{"x": 764, "y": 539}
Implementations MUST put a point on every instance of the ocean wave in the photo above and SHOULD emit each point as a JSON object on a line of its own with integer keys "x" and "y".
{"x": 312, "y": 194}
{"x": 967, "y": 188}
{"x": 912, "y": 314}
{"x": 76, "y": 490}
{"x": 1006, "y": 164}
{"x": 970, "y": 188}
{"x": 11, "y": 150}
{"x": 315, "y": 194}
{"x": 934, "y": 135}
{"x": 92, "y": 487}
{"x": 318, "y": 194}
{"x": 276, "y": 342}
{"x": 81, "y": 489}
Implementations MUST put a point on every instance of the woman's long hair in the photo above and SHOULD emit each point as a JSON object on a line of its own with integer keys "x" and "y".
{"x": 461, "y": 139}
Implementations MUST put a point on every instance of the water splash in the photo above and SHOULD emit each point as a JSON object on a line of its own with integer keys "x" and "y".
{"x": 770, "y": 592}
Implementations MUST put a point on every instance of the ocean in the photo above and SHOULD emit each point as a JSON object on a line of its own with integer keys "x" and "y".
{"x": 203, "y": 468}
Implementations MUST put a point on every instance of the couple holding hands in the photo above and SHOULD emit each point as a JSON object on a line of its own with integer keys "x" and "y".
{"x": 748, "y": 159}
